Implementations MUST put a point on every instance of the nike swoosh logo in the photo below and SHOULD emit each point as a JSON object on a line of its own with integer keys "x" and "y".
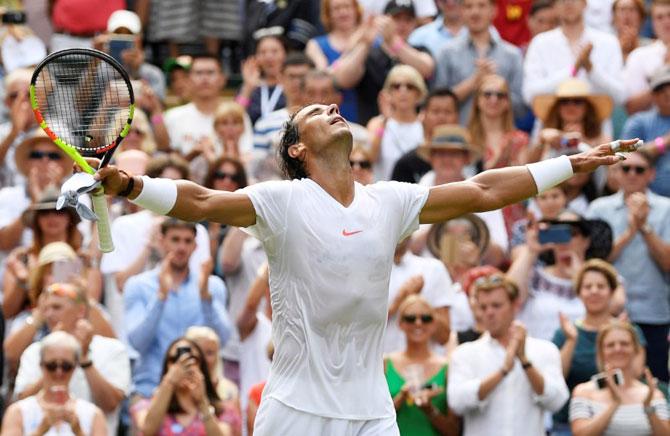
{"x": 345, "y": 233}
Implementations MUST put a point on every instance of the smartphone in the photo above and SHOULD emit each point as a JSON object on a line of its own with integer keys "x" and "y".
{"x": 184, "y": 349}
{"x": 118, "y": 43}
{"x": 556, "y": 233}
{"x": 65, "y": 270}
{"x": 14, "y": 17}
{"x": 600, "y": 379}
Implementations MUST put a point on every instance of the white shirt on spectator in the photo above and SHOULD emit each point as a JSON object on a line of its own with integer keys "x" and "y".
{"x": 641, "y": 65}
{"x": 512, "y": 408}
{"x": 398, "y": 139}
{"x": 254, "y": 361}
{"x": 109, "y": 358}
{"x": 598, "y": 15}
{"x": 423, "y": 8}
{"x": 437, "y": 290}
{"x": 549, "y": 61}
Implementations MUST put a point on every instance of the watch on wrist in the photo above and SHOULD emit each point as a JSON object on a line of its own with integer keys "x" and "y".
{"x": 525, "y": 365}
{"x": 649, "y": 410}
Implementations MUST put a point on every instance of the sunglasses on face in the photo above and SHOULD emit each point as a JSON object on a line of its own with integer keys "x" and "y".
{"x": 426, "y": 318}
{"x": 636, "y": 168}
{"x": 362, "y": 164}
{"x": 498, "y": 94}
{"x": 51, "y": 155}
{"x": 222, "y": 175}
{"x": 408, "y": 86}
{"x": 572, "y": 101}
{"x": 54, "y": 365}
{"x": 13, "y": 95}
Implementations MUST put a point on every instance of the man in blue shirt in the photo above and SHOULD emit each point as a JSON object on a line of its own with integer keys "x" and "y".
{"x": 162, "y": 303}
{"x": 640, "y": 221}
{"x": 653, "y": 126}
{"x": 438, "y": 32}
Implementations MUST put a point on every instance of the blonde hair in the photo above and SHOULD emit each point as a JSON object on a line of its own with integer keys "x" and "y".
{"x": 229, "y": 109}
{"x": 475, "y": 126}
{"x": 610, "y": 327}
{"x": 58, "y": 339}
{"x": 194, "y": 333}
{"x": 410, "y": 73}
{"x": 412, "y": 299}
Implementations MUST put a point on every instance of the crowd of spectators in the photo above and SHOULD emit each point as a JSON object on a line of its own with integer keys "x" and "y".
{"x": 551, "y": 315}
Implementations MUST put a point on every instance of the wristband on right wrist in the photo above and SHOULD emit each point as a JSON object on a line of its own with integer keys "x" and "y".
{"x": 157, "y": 195}
{"x": 550, "y": 172}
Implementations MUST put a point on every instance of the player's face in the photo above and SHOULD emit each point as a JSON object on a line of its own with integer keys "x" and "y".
{"x": 320, "y": 125}
{"x": 496, "y": 309}
{"x": 181, "y": 243}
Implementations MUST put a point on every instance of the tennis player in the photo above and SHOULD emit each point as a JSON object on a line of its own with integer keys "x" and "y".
{"x": 330, "y": 245}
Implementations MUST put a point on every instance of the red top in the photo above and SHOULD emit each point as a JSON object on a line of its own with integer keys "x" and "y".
{"x": 256, "y": 392}
{"x": 83, "y": 17}
{"x": 512, "y": 21}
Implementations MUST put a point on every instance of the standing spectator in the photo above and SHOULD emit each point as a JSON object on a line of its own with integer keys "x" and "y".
{"x": 653, "y": 126}
{"x": 573, "y": 50}
{"x": 447, "y": 25}
{"x": 506, "y": 380}
{"x": 645, "y": 61}
{"x": 629, "y": 407}
{"x": 627, "y": 17}
{"x": 162, "y": 303}
{"x": 465, "y": 60}
{"x": 76, "y": 22}
{"x": 542, "y": 18}
{"x": 640, "y": 221}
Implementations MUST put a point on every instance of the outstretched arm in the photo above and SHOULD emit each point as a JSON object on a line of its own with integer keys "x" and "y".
{"x": 494, "y": 189}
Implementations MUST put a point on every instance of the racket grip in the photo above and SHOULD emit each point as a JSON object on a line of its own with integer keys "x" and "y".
{"x": 104, "y": 232}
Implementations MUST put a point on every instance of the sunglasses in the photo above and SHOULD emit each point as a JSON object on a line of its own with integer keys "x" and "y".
{"x": 222, "y": 175}
{"x": 638, "y": 169}
{"x": 500, "y": 95}
{"x": 63, "y": 290}
{"x": 362, "y": 164}
{"x": 572, "y": 101}
{"x": 51, "y": 155}
{"x": 64, "y": 366}
{"x": 409, "y": 86}
{"x": 426, "y": 318}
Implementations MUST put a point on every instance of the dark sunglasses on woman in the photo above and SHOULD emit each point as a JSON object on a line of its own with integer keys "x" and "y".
{"x": 52, "y": 366}
{"x": 425, "y": 318}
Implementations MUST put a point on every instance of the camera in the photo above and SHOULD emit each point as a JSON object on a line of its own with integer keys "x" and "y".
{"x": 14, "y": 17}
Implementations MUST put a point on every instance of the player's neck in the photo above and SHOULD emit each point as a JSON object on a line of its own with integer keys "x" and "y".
{"x": 334, "y": 176}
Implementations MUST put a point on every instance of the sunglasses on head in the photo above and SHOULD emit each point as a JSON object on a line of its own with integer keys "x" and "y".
{"x": 51, "y": 155}
{"x": 498, "y": 94}
{"x": 222, "y": 175}
{"x": 489, "y": 282}
{"x": 638, "y": 169}
{"x": 362, "y": 164}
{"x": 63, "y": 290}
{"x": 54, "y": 365}
{"x": 426, "y": 318}
{"x": 409, "y": 86}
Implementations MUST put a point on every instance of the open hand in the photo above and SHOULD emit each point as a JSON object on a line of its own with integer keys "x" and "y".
{"x": 652, "y": 383}
{"x": 569, "y": 329}
{"x": 603, "y": 154}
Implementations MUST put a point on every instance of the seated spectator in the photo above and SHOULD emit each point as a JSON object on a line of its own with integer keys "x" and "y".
{"x": 506, "y": 377}
{"x": 627, "y": 18}
{"x": 573, "y": 50}
{"x": 103, "y": 373}
{"x": 230, "y": 121}
{"x": 645, "y": 61}
{"x": 640, "y": 221}
{"x": 53, "y": 409}
{"x": 140, "y": 136}
{"x": 446, "y": 26}
{"x": 341, "y": 19}
{"x": 546, "y": 289}
{"x": 402, "y": 131}
{"x": 261, "y": 91}
{"x": 653, "y": 127}
{"x": 176, "y": 70}
{"x": 361, "y": 165}
{"x": 185, "y": 401}
{"x": 461, "y": 68}
{"x": 628, "y": 406}
{"x": 227, "y": 391}
{"x": 162, "y": 303}
{"x": 417, "y": 377}
{"x": 597, "y": 285}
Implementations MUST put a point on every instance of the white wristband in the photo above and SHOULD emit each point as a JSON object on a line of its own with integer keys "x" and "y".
{"x": 549, "y": 173}
{"x": 157, "y": 195}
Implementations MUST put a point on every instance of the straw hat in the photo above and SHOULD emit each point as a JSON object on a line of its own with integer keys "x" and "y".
{"x": 480, "y": 234}
{"x": 573, "y": 88}
{"x": 22, "y": 153}
{"x": 446, "y": 137}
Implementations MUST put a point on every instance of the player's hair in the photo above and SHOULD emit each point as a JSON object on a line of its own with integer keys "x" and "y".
{"x": 293, "y": 168}
{"x": 174, "y": 223}
{"x": 599, "y": 266}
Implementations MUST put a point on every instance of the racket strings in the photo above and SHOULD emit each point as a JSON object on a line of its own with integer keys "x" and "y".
{"x": 84, "y": 101}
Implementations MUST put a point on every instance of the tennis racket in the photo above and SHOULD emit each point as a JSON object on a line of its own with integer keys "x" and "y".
{"x": 83, "y": 100}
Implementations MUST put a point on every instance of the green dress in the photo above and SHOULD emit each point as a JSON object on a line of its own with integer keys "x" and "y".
{"x": 412, "y": 421}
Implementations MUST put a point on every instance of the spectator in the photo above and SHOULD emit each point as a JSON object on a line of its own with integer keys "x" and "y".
{"x": 653, "y": 126}
{"x": 52, "y": 409}
{"x": 176, "y": 70}
{"x": 645, "y": 61}
{"x": 506, "y": 376}
{"x": 440, "y": 107}
{"x": 573, "y": 50}
{"x": 103, "y": 376}
{"x": 341, "y": 19}
{"x": 629, "y": 407}
{"x": 139, "y": 137}
{"x": 640, "y": 221}
{"x": 542, "y": 18}
{"x": 424, "y": 10}
{"x": 361, "y": 165}
{"x": 446, "y": 26}
{"x": 596, "y": 284}
{"x": 261, "y": 91}
{"x": 186, "y": 400}
{"x": 230, "y": 121}
{"x": 627, "y": 18}
{"x": 162, "y": 303}
{"x": 465, "y": 60}
{"x": 227, "y": 391}
{"x": 417, "y": 376}
{"x": 76, "y": 22}
{"x": 511, "y": 21}
{"x": 546, "y": 289}
{"x": 402, "y": 131}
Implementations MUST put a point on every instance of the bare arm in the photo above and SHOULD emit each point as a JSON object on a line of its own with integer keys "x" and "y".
{"x": 10, "y": 235}
{"x": 232, "y": 249}
{"x": 152, "y": 421}
{"x": 99, "y": 426}
{"x": 313, "y": 51}
{"x": 567, "y": 351}
{"x": 350, "y": 67}
{"x": 659, "y": 250}
{"x": 105, "y": 395}
{"x": 246, "y": 320}
{"x": 443, "y": 332}
{"x": 423, "y": 62}
{"x": 596, "y": 425}
{"x": 12, "y": 422}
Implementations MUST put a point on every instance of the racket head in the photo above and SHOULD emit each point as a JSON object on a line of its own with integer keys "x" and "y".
{"x": 84, "y": 101}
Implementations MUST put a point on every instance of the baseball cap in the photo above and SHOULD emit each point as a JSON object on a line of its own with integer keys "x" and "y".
{"x": 123, "y": 18}
{"x": 661, "y": 77}
{"x": 395, "y": 7}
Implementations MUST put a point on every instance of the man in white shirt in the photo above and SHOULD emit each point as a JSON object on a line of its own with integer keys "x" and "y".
{"x": 330, "y": 245}
{"x": 503, "y": 382}
{"x": 643, "y": 62}
{"x": 573, "y": 50}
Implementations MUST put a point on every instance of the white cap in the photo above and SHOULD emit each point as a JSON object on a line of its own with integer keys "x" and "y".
{"x": 22, "y": 53}
{"x": 123, "y": 18}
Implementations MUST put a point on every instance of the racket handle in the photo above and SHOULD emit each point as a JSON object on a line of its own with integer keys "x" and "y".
{"x": 104, "y": 233}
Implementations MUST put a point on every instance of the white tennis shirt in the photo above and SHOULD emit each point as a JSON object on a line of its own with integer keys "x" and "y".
{"x": 329, "y": 284}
